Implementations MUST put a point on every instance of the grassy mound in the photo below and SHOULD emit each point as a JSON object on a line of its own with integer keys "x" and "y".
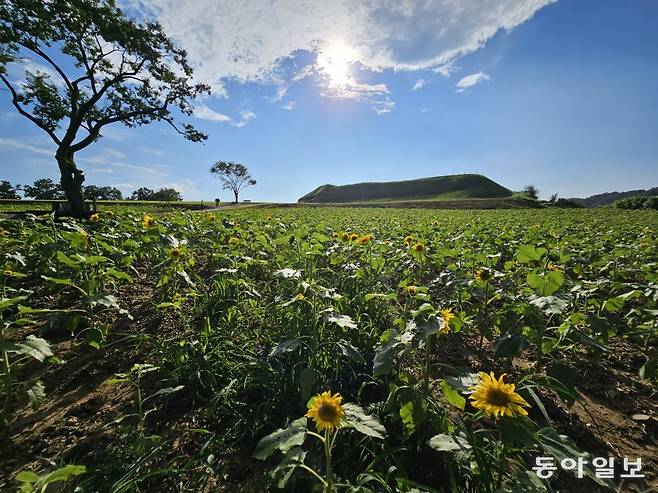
{"x": 467, "y": 186}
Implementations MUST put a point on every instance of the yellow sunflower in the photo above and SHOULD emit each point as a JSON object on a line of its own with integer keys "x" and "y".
{"x": 94, "y": 217}
{"x": 300, "y": 297}
{"x": 483, "y": 274}
{"x": 407, "y": 240}
{"x": 354, "y": 237}
{"x": 365, "y": 239}
{"x": 411, "y": 290}
{"x": 418, "y": 248}
{"x": 326, "y": 411}
{"x": 447, "y": 315}
{"x": 8, "y": 273}
{"x": 345, "y": 237}
{"x": 233, "y": 240}
{"x": 175, "y": 253}
{"x": 497, "y": 398}
{"x": 148, "y": 221}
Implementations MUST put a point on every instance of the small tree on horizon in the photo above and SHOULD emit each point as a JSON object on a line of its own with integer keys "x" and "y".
{"x": 531, "y": 191}
{"x": 234, "y": 176}
{"x": 44, "y": 189}
{"x": 9, "y": 191}
{"x": 553, "y": 198}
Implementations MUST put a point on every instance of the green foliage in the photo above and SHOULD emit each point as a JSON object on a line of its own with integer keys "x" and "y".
{"x": 636, "y": 203}
{"x": 102, "y": 193}
{"x": 44, "y": 189}
{"x": 164, "y": 194}
{"x": 9, "y": 191}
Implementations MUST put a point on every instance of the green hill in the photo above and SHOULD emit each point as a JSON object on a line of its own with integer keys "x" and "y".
{"x": 451, "y": 187}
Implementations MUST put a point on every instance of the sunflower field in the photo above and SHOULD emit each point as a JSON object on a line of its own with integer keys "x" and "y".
{"x": 330, "y": 350}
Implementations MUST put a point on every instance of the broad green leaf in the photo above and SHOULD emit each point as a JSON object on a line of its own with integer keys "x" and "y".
{"x": 449, "y": 443}
{"x": 282, "y": 439}
{"x": 545, "y": 284}
{"x": 362, "y": 422}
{"x": 307, "y": 379}
{"x": 36, "y": 347}
{"x": 285, "y": 347}
{"x": 529, "y": 253}
{"x": 350, "y": 352}
{"x": 343, "y": 321}
{"x": 452, "y": 396}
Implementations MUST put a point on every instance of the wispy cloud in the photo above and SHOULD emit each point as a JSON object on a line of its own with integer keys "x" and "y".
{"x": 471, "y": 80}
{"x": 420, "y": 83}
{"x": 290, "y": 105}
{"x": 205, "y": 113}
{"x": 17, "y": 144}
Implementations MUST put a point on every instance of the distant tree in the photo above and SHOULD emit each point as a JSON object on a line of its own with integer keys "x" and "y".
{"x": 234, "y": 176}
{"x": 44, "y": 189}
{"x": 142, "y": 193}
{"x": 553, "y": 198}
{"x": 103, "y": 193}
{"x": 531, "y": 191}
{"x": 9, "y": 191}
{"x": 168, "y": 195}
{"x": 106, "y": 68}
{"x": 164, "y": 194}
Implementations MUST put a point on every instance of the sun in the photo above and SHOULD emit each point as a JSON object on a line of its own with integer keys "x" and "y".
{"x": 335, "y": 61}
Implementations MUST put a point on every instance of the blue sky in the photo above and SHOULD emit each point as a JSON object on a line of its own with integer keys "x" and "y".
{"x": 563, "y": 95}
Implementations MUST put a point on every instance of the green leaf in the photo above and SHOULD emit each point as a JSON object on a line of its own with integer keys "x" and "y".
{"x": 343, "y": 321}
{"x": 509, "y": 344}
{"x": 7, "y": 302}
{"x": 307, "y": 379}
{"x": 285, "y": 347}
{"x": 350, "y": 352}
{"x": 36, "y": 347}
{"x": 64, "y": 473}
{"x": 64, "y": 259}
{"x": 649, "y": 370}
{"x": 362, "y": 422}
{"x": 528, "y": 253}
{"x": 36, "y": 395}
{"x": 412, "y": 416}
{"x": 384, "y": 356}
{"x": 449, "y": 443}
{"x": 282, "y": 439}
{"x": 612, "y": 305}
{"x": 27, "y": 477}
{"x": 452, "y": 396}
{"x": 545, "y": 284}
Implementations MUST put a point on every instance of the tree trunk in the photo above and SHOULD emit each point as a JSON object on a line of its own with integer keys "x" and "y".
{"x": 235, "y": 192}
{"x": 72, "y": 180}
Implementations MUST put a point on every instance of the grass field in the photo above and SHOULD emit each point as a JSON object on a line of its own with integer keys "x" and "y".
{"x": 185, "y": 351}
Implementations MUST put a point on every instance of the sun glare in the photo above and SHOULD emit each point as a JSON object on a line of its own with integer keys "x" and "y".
{"x": 335, "y": 61}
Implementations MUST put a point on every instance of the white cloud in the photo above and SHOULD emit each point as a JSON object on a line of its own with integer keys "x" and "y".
{"x": 471, "y": 80}
{"x": 290, "y": 105}
{"x": 17, "y": 144}
{"x": 205, "y": 113}
{"x": 420, "y": 83}
{"x": 245, "y": 117}
{"x": 102, "y": 170}
{"x": 252, "y": 42}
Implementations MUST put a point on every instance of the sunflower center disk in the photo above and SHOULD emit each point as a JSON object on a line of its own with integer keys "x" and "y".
{"x": 327, "y": 412}
{"x": 497, "y": 397}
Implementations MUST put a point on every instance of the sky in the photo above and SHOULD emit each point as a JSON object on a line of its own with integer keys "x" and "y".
{"x": 560, "y": 94}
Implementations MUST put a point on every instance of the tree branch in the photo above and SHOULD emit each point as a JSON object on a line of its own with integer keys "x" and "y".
{"x": 16, "y": 103}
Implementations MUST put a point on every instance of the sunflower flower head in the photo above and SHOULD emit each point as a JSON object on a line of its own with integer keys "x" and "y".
{"x": 365, "y": 239}
{"x": 407, "y": 240}
{"x": 483, "y": 274}
{"x": 326, "y": 410}
{"x": 345, "y": 237}
{"x": 8, "y": 273}
{"x": 447, "y": 315}
{"x": 94, "y": 218}
{"x": 417, "y": 248}
{"x": 148, "y": 221}
{"x": 175, "y": 253}
{"x": 300, "y": 297}
{"x": 233, "y": 240}
{"x": 497, "y": 398}
{"x": 354, "y": 237}
{"x": 411, "y": 290}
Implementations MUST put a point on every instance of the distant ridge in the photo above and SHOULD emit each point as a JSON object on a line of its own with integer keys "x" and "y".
{"x": 609, "y": 198}
{"x": 450, "y": 187}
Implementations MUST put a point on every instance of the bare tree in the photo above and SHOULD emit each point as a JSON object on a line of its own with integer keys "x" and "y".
{"x": 531, "y": 191}
{"x": 234, "y": 176}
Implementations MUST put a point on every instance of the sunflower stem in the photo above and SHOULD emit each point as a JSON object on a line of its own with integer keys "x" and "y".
{"x": 329, "y": 485}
